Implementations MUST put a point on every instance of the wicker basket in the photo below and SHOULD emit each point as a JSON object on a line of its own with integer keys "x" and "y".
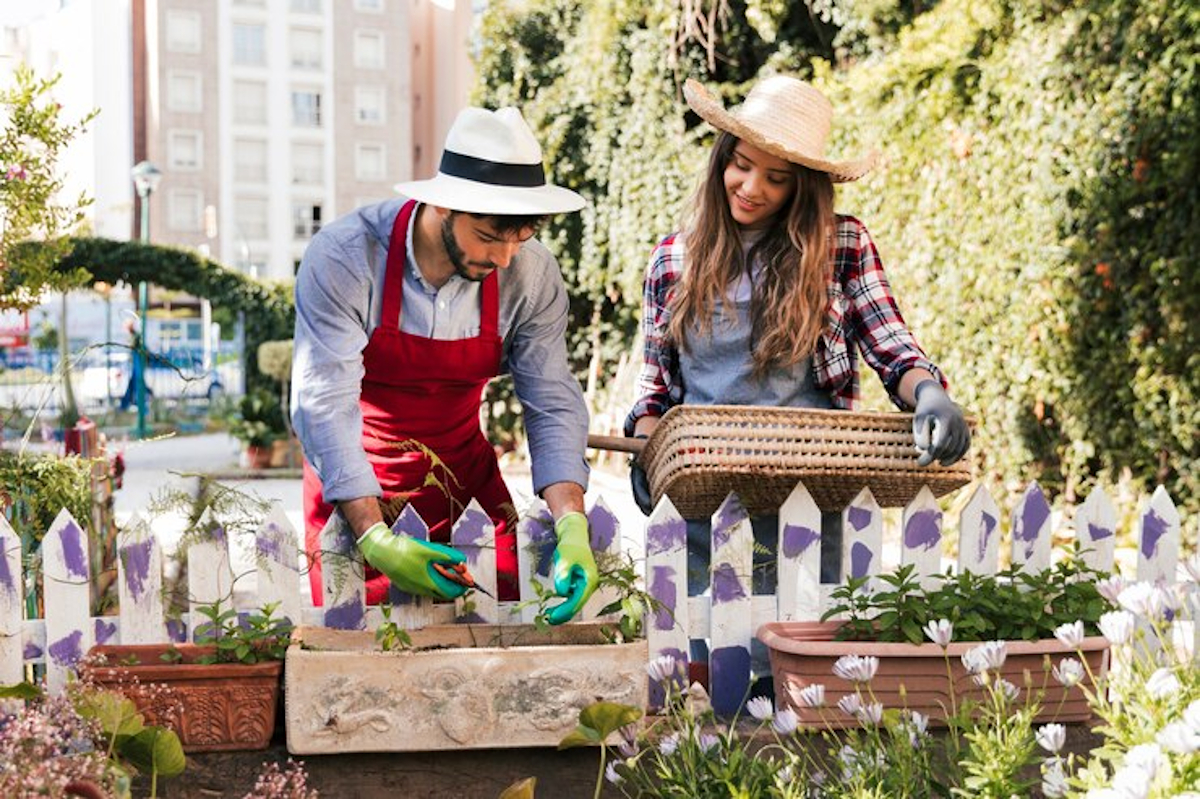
{"x": 699, "y": 453}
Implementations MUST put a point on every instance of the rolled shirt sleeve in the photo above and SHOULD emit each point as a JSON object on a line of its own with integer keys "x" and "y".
{"x": 333, "y": 302}
{"x": 556, "y": 416}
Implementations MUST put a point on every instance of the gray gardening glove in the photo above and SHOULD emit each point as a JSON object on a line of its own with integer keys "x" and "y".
{"x": 939, "y": 428}
{"x": 640, "y": 483}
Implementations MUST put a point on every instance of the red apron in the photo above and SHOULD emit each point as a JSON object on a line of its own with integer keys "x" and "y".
{"x": 420, "y": 402}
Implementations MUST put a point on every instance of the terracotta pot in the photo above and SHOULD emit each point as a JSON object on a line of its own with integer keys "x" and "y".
{"x": 803, "y": 653}
{"x": 221, "y": 706}
{"x": 258, "y": 457}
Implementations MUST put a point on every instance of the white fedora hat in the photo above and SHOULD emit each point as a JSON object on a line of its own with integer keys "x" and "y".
{"x": 492, "y": 164}
{"x": 785, "y": 117}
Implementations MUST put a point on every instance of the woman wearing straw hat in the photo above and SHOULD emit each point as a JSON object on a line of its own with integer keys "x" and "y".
{"x": 404, "y": 311}
{"x": 767, "y": 295}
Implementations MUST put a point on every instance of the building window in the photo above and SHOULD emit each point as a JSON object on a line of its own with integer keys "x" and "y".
{"x": 370, "y": 162}
{"x": 183, "y": 31}
{"x": 372, "y": 6}
{"x": 368, "y": 49}
{"x": 250, "y": 216}
{"x": 184, "y": 91}
{"x": 185, "y": 149}
{"x": 249, "y": 44}
{"x": 251, "y": 3}
{"x": 306, "y": 47}
{"x": 249, "y": 160}
{"x": 185, "y": 210}
{"x": 249, "y": 102}
{"x": 306, "y": 220}
{"x": 306, "y": 109}
{"x": 369, "y": 105}
{"x": 308, "y": 162}
{"x": 306, "y": 6}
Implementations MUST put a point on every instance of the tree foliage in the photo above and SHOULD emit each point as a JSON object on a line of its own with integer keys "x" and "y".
{"x": 268, "y": 308}
{"x": 1036, "y": 206}
{"x": 31, "y": 140}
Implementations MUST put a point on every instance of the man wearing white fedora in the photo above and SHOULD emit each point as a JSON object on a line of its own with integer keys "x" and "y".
{"x": 404, "y": 311}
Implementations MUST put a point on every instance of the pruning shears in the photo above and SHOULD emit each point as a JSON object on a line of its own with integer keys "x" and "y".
{"x": 458, "y": 574}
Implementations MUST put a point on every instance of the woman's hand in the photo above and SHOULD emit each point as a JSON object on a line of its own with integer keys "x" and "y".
{"x": 939, "y": 427}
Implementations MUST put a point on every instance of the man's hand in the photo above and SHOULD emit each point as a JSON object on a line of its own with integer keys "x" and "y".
{"x": 939, "y": 428}
{"x": 408, "y": 562}
{"x": 573, "y": 567}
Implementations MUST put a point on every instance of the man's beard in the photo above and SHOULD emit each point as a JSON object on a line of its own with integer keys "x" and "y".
{"x": 457, "y": 256}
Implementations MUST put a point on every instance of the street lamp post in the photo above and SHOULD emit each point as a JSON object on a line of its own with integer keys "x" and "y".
{"x": 145, "y": 179}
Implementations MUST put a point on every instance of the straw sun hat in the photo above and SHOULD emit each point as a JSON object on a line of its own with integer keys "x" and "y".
{"x": 785, "y": 117}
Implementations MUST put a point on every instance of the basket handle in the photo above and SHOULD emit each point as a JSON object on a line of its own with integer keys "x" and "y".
{"x": 616, "y": 443}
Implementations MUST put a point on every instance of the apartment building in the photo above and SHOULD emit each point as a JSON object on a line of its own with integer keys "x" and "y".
{"x": 267, "y": 118}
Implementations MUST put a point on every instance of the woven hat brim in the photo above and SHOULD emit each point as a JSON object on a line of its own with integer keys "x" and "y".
{"x": 712, "y": 112}
{"x": 471, "y": 197}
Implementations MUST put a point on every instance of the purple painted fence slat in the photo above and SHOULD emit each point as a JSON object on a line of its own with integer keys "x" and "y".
{"x": 666, "y": 580}
{"x": 277, "y": 556}
{"x": 343, "y": 592}
{"x": 731, "y": 597}
{"x": 139, "y": 584}
{"x": 1096, "y": 527}
{"x": 1031, "y": 530}
{"x": 69, "y": 628}
{"x": 535, "y": 547}
{"x": 979, "y": 534}
{"x": 862, "y": 536}
{"x": 798, "y": 597}
{"x": 474, "y": 535}
{"x": 1158, "y": 536}
{"x": 921, "y": 537}
{"x": 12, "y": 654}
{"x": 210, "y": 574}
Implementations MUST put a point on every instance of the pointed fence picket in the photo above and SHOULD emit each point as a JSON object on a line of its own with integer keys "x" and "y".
{"x": 726, "y": 616}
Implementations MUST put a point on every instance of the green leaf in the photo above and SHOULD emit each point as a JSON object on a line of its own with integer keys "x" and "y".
{"x": 520, "y": 790}
{"x": 580, "y": 736}
{"x": 115, "y": 714}
{"x": 21, "y": 690}
{"x": 155, "y": 750}
{"x": 608, "y": 717}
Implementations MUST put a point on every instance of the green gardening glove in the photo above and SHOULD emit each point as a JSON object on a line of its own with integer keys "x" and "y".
{"x": 573, "y": 567}
{"x": 408, "y": 562}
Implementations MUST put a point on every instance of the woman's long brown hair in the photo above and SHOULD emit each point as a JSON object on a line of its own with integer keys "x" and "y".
{"x": 790, "y": 293}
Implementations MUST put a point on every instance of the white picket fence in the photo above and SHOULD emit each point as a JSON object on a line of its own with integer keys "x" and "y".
{"x": 727, "y": 617}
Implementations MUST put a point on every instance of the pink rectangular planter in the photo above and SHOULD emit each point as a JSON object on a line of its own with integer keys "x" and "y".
{"x": 803, "y": 653}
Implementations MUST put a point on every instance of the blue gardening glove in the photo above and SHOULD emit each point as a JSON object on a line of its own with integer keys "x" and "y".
{"x": 408, "y": 562}
{"x": 939, "y": 428}
{"x": 573, "y": 567}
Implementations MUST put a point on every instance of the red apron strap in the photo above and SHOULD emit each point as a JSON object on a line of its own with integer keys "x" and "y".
{"x": 489, "y": 307}
{"x": 397, "y": 262}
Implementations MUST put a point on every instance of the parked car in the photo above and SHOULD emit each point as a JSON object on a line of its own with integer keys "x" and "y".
{"x": 102, "y": 377}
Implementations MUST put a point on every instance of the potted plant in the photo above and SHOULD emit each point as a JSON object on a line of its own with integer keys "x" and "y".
{"x": 257, "y": 422}
{"x": 219, "y": 694}
{"x": 921, "y": 637}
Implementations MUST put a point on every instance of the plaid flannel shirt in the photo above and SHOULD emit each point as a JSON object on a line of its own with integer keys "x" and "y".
{"x": 862, "y": 315}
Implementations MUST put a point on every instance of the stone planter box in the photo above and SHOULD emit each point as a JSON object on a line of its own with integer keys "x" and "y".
{"x": 215, "y": 707}
{"x": 803, "y": 653}
{"x": 460, "y": 686}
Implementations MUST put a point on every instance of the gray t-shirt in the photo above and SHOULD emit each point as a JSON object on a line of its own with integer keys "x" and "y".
{"x": 717, "y": 367}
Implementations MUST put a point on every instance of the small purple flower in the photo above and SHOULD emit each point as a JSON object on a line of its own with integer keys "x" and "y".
{"x": 811, "y": 696}
{"x": 1051, "y": 737}
{"x": 1054, "y": 781}
{"x": 871, "y": 714}
{"x": 668, "y": 744}
{"x": 760, "y": 707}
{"x": 1070, "y": 635}
{"x": 610, "y": 774}
{"x": 786, "y": 721}
{"x": 856, "y": 669}
{"x": 662, "y": 668}
{"x": 628, "y": 749}
{"x": 1068, "y": 672}
{"x": 1009, "y": 691}
{"x": 16, "y": 172}
{"x": 1111, "y": 587}
{"x": 709, "y": 742}
{"x": 1162, "y": 684}
{"x": 941, "y": 632}
{"x": 988, "y": 656}
{"x": 850, "y": 704}
{"x": 1118, "y": 626}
